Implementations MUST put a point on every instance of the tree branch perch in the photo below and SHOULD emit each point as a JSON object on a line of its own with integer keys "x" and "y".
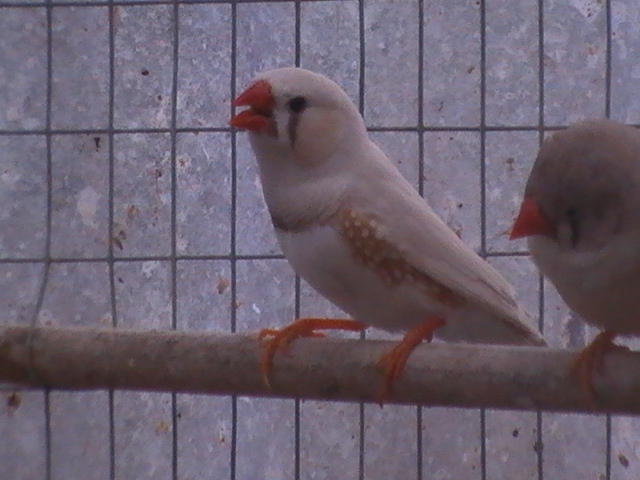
{"x": 324, "y": 369}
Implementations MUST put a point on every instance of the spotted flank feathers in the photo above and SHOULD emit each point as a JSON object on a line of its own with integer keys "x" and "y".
{"x": 370, "y": 249}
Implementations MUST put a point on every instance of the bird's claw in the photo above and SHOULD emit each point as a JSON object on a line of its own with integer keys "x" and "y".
{"x": 590, "y": 361}
{"x": 393, "y": 362}
{"x": 304, "y": 327}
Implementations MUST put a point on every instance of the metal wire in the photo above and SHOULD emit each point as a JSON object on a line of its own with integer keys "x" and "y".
{"x": 174, "y": 130}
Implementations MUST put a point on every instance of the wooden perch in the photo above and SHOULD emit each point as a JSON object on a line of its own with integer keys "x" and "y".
{"x": 325, "y": 369}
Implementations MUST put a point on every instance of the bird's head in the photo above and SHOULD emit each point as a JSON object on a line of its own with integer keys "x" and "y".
{"x": 580, "y": 193}
{"x": 292, "y": 110}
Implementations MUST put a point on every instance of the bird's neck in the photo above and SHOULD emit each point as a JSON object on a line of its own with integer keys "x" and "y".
{"x": 296, "y": 195}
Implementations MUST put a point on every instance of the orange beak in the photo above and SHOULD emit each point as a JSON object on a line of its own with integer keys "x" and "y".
{"x": 260, "y": 102}
{"x": 531, "y": 221}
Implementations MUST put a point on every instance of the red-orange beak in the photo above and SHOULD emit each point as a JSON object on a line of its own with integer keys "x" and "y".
{"x": 531, "y": 221}
{"x": 260, "y": 102}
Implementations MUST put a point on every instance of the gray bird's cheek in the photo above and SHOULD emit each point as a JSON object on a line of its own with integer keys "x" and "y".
{"x": 544, "y": 253}
{"x": 565, "y": 235}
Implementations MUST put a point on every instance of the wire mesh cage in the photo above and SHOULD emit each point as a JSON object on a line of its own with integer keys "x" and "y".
{"x": 129, "y": 203}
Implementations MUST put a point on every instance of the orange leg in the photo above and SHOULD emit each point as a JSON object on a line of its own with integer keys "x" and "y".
{"x": 392, "y": 363}
{"x": 303, "y": 327}
{"x": 591, "y": 360}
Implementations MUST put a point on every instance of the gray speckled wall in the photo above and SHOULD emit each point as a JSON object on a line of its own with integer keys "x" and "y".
{"x": 94, "y": 88}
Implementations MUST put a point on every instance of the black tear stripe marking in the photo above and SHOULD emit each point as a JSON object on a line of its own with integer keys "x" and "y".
{"x": 574, "y": 225}
{"x": 292, "y": 127}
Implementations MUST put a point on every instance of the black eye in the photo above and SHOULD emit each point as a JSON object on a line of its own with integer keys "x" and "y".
{"x": 297, "y": 104}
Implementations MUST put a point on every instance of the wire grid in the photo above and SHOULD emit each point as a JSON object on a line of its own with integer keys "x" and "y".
{"x": 460, "y": 93}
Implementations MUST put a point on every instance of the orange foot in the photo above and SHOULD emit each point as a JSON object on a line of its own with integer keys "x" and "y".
{"x": 591, "y": 360}
{"x": 303, "y": 327}
{"x": 392, "y": 363}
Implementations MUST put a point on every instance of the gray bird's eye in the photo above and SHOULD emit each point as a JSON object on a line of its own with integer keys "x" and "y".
{"x": 297, "y": 104}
